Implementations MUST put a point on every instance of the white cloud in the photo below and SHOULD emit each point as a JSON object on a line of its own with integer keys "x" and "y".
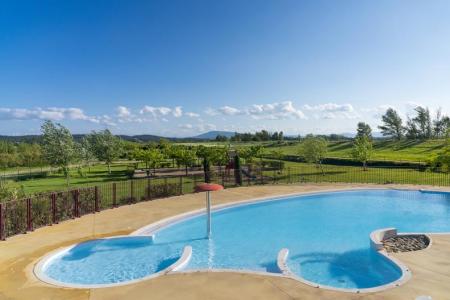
{"x": 155, "y": 111}
{"x": 330, "y": 107}
{"x": 229, "y": 111}
{"x": 51, "y": 113}
{"x": 332, "y": 111}
{"x": 211, "y": 112}
{"x": 177, "y": 112}
{"x": 272, "y": 111}
{"x": 192, "y": 115}
{"x": 123, "y": 112}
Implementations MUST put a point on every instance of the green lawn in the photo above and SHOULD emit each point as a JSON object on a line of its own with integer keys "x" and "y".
{"x": 414, "y": 151}
{"x": 303, "y": 172}
{"x": 55, "y": 181}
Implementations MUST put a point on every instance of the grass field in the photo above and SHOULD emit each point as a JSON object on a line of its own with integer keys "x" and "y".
{"x": 303, "y": 172}
{"x": 413, "y": 151}
{"x": 57, "y": 181}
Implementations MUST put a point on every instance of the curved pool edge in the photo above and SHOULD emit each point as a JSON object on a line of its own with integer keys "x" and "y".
{"x": 286, "y": 271}
{"x": 39, "y": 273}
{"x": 151, "y": 229}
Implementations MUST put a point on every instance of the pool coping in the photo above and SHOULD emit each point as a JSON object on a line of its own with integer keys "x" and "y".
{"x": 39, "y": 267}
{"x": 151, "y": 229}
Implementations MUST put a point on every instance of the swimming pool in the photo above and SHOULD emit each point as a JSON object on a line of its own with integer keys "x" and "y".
{"x": 327, "y": 235}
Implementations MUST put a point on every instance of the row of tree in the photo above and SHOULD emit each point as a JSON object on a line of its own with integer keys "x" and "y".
{"x": 20, "y": 155}
{"x": 420, "y": 126}
{"x": 259, "y": 136}
{"x": 60, "y": 150}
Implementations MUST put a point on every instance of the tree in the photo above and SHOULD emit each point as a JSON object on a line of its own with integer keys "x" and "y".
{"x": 185, "y": 157}
{"x": 250, "y": 153}
{"x": 314, "y": 149}
{"x": 30, "y": 155}
{"x": 412, "y": 132}
{"x": 220, "y": 157}
{"x": 57, "y": 146}
{"x": 392, "y": 125}
{"x": 420, "y": 126}
{"x": 106, "y": 147}
{"x": 205, "y": 153}
{"x": 364, "y": 130}
{"x": 152, "y": 157}
{"x": 86, "y": 153}
{"x": 362, "y": 150}
{"x": 221, "y": 138}
{"x": 440, "y": 124}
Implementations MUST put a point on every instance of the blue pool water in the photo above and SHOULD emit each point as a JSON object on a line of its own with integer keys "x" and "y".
{"x": 327, "y": 236}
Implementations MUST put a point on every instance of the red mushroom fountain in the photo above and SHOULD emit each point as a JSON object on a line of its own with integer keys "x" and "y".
{"x": 208, "y": 187}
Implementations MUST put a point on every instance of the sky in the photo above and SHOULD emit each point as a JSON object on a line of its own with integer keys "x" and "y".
{"x": 182, "y": 67}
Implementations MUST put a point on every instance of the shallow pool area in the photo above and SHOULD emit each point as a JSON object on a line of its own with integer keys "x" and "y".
{"x": 327, "y": 235}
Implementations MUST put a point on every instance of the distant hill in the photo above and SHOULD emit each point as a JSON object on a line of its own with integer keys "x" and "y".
{"x": 211, "y": 135}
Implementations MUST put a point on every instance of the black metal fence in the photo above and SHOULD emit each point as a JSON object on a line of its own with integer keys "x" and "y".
{"x": 20, "y": 216}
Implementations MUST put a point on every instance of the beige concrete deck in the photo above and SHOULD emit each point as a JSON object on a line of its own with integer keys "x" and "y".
{"x": 430, "y": 267}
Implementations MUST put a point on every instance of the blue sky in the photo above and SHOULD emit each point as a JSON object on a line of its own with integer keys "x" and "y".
{"x": 178, "y": 68}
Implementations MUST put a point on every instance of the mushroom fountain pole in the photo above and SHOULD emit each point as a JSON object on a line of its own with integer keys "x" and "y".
{"x": 208, "y": 188}
{"x": 208, "y": 212}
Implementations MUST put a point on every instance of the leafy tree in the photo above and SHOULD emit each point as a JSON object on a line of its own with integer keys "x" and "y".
{"x": 440, "y": 124}
{"x": 364, "y": 130}
{"x": 8, "y": 155}
{"x": 314, "y": 149}
{"x": 86, "y": 153}
{"x": 220, "y": 157}
{"x": 106, "y": 147}
{"x": 57, "y": 146}
{"x": 205, "y": 153}
{"x": 185, "y": 157}
{"x": 420, "y": 126}
{"x": 392, "y": 124}
{"x": 221, "y": 138}
{"x": 362, "y": 150}
{"x": 250, "y": 153}
{"x": 30, "y": 155}
{"x": 412, "y": 132}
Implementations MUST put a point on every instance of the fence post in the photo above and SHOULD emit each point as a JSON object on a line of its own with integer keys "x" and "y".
{"x": 261, "y": 176}
{"x": 149, "y": 188}
{"x": 223, "y": 180}
{"x": 181, "y": 184}
{"x": 29, "y": 216}
{"x": 131, "y": 191}
{"x": 165, "y": 186}
{"x": 75, "y": 204}
{"x": 114, "y": 187}
{"x": 54, "y": 221}
{"x": 2, "y": 222}
{"x": 96, "y": 207}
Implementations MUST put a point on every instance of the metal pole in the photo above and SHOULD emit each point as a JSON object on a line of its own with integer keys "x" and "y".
{"x": 208, "y": 212}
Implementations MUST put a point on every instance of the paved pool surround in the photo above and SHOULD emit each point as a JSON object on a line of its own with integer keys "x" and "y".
{"x": 430, "y": 269}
